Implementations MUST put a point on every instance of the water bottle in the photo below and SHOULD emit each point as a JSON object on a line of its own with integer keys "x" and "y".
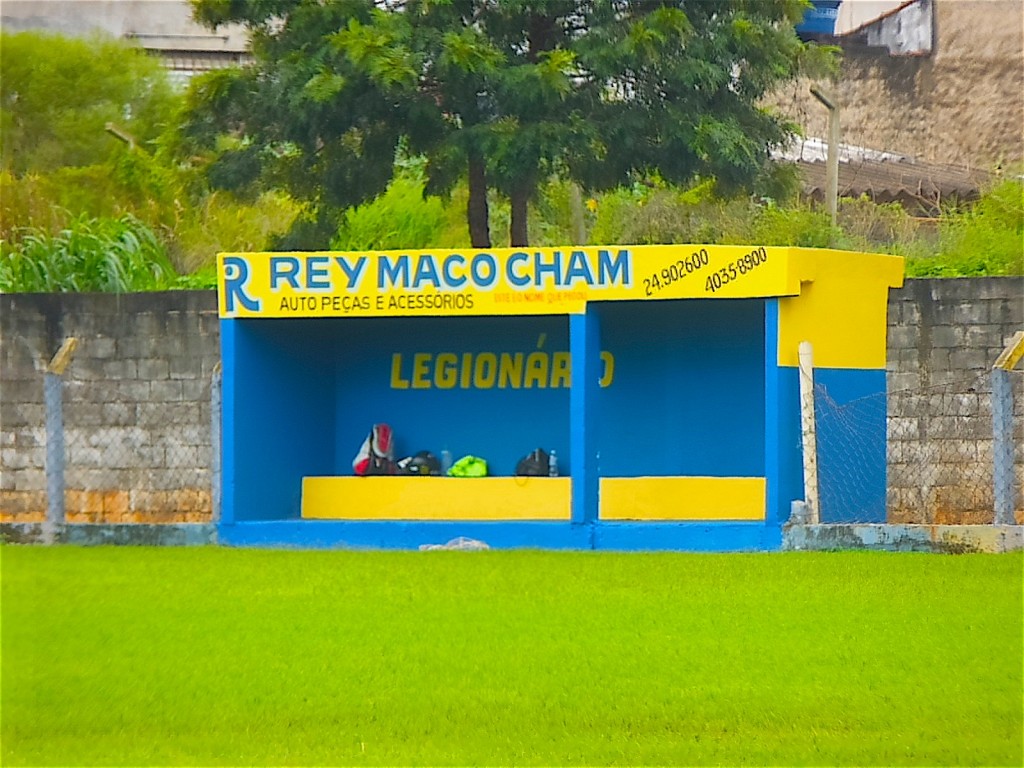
{"x": 553, "y": 465}
{"x": 446, "y": 461}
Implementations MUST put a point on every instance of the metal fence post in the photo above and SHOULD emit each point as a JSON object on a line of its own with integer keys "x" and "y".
{"x": 53, "y": 400}
{"x": 1002, "y": 430}
{"x": 215, "y": 443}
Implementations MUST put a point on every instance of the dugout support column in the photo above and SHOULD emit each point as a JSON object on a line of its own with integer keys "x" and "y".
{"x": 585, "y": 351}
{"x": 777, "y": 465}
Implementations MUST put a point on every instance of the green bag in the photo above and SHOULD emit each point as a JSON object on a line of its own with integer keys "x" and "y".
{"x": 469, "y": 466}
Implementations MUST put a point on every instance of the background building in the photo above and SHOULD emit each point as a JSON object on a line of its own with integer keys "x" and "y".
{"x": 939, "y": 81}
{"x": 162, "y": 27}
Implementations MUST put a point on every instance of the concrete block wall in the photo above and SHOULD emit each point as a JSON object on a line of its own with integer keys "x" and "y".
{"x": 137, "y": 401}
{"x": 136, "y": 405}
{"x": 944, "y": 336}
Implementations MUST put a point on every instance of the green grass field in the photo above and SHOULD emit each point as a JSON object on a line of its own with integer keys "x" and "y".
{"x": 209, "y": 656}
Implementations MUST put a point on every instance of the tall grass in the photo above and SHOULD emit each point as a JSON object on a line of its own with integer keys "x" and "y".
{"x": 220, "y": 222}
{"x": 90, "y": 254}
{"x": 144, "y": 656}
{"x": 191, "y": 228}
{"x": 109, "y": 252}
{"x": 982, "y": 238}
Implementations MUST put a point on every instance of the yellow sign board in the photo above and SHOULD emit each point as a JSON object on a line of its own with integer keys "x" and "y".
{"x": 535, "y": 281}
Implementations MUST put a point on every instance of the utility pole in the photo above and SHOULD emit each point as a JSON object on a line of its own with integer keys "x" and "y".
{"x": 832, "y": 161}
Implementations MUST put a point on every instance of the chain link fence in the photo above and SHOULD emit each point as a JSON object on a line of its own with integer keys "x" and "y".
{"x": 939, "y": 453}
{"x": 141, "y": 449}
{"x": 136, "y": 459}
{"x": 118, "y": 450}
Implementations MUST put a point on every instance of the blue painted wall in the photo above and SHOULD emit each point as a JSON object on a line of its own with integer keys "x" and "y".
{"x": 688, "y": 393}
{"x": 282, "y": 421}
{"x": 850, "y": 412}
{"x": 789, "y": 481}
{"x": 500, "y": 425}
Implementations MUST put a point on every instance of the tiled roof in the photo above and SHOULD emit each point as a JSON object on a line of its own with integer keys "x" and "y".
{"x": 916, "y": 185}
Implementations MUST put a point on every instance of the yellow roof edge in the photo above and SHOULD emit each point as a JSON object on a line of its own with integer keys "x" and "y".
{"x": 890, "y": 268}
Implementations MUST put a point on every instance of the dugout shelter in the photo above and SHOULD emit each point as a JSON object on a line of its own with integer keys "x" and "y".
{"x": 664, "y": 377}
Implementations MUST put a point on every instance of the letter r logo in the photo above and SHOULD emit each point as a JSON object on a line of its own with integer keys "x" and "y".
{"x": 236, "y": 279}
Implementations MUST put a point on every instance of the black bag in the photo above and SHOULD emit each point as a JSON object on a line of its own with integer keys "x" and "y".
{"x": 535, "y": 464}
{"x": 422, "y": 463}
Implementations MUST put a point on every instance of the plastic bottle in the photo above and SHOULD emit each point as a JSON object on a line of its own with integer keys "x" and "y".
{"x": 446, "y": 461}
{"x": 553, "y": 464}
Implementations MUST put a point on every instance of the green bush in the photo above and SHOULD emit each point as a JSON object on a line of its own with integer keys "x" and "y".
{"x": 651, "y": 212}
{"x": 64, "y": 176}
{"x": 403, "y": 217}
{"x": 986, "y": 238}
{"x": 58, "y": 94}
{"x": 800, "y": 226}
{"x": 103, "y": 255}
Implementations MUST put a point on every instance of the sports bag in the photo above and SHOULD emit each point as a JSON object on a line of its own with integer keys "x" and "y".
{"x": 469, "y": 466}
{"x": 422, "y": 463}
{"x": 376, "y": 454}
{"x": 534, "y": 464}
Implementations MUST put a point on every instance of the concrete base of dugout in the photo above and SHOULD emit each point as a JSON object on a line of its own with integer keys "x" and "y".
{"x": 947, "y": 539}
{"x": 90, "y": 534}
{"x": 950, "y": 539}
{"x": 548, "y": 535}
